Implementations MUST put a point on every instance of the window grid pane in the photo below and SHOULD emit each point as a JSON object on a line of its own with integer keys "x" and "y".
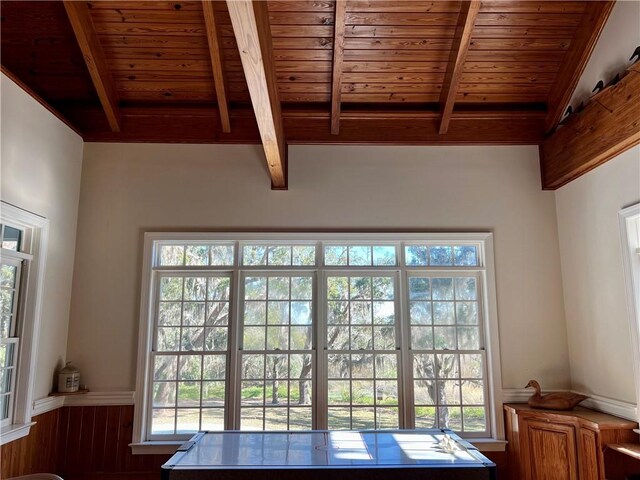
{"x": 448, "y": 363}
{"x": 279, "y": 255}
{"x": 361, "y": 358}
{"x": 360, "y": 255}
{"x": 196, "y": 255}
{"x": 441, "y": 255}
{"x": 190, "y": 358}
{"x": 277, "y": 361}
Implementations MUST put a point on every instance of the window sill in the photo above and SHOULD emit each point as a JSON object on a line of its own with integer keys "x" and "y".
{"x": 155, "y": 448}
{"x": 488, "y": 444}
{"x": 15, "y": 431}
{"x": 170, "y": 447}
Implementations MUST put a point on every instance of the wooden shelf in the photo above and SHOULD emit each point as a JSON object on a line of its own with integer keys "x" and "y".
{"x": 64, "y": 394}
{"x": 630, "y": 449}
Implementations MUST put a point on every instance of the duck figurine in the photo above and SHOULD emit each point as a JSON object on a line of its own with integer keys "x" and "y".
{"x": 553, "y": 401}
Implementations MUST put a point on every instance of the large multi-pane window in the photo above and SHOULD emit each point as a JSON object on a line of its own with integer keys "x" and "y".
{"x": 23, "y": 239}
{"x": 265, "y": 332}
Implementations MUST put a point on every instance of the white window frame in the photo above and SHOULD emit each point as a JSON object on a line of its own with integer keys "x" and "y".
{"x": 483, "y": 241}
{"x": 35, "y": 234}
{"x": 629, "y": 219}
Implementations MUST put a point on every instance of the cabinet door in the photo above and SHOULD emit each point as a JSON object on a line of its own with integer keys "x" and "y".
{"x": 551, "y": 450}
{"x": 589, "y": 455}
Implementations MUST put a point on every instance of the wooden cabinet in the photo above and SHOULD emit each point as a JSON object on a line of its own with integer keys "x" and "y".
{"x": 556, "y": 445}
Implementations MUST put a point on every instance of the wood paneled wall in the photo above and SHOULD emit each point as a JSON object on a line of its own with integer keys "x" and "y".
{"x": 87, "y": 443}
{"x": 91, "y": 443}
{"x": 35, "y": 453}
{"x": 95, "y": 439}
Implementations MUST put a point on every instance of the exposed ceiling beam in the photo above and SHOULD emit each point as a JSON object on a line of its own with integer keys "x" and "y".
{"x": 213, "y": 38}
{"x": 198, "y": 124}
{"x": 250, "y": 20}
{"x": 459, "y": 49}
{"x": 80, "y": 18}
{"x": 593, "y": 20}
{"x": 338, "y": 53}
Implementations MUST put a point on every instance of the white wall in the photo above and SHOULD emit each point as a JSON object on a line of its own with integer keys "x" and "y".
{"x": 594, "y": 291}
{"x": 131, "y": 188}
{"x": 619, "y": 38}
{"x": 40, "y": 167}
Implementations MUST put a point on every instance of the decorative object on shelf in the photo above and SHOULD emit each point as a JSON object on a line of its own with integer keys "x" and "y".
{"x": 553, "y": 401}
{"x": 68, "y": 379}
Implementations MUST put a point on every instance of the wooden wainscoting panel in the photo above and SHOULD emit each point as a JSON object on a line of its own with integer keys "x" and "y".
{"x": 35, "y": 453}
{"x": 95, "y": 440}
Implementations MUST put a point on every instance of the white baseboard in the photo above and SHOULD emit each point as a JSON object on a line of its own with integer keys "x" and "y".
{"x": 613, "y": 407}
{"x": 100, "y": 398}
{"x": 46, "y": 404}
{"x": 595, "y": 402}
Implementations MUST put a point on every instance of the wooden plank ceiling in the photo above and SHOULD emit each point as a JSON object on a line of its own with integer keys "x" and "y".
{"x": 518, "y": 64}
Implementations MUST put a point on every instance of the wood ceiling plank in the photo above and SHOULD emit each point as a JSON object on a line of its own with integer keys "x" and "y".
{"x": 462, "y": 39}
{"x": 603, "y": 130}
{"x": 538, "y": 56}
{"x": 127, "y": 15}
{"x": 398, "y": 88}
{"x": 393, "y": 77}
{"x": 395, "y": 67}
{"x": 528, "y": 19}
{"x": 305, "y": 97}
{"x": 588, "y": 32}
{"x": 301, "y": 66}
{"x": 80, "y": 19}
{"x": 520, "y": 43}
{"x": 302, "y": 55}
{"x": 501, "y": 98}
{"x": 336, "y": 72}
{"x": 145, "y": 5}
{"x": 511, "y": 67}
{"x": 386, "y": 31}
{"x": 398, "y": 43}
{"x": 395, "y": 55}
{"x": 250, "y": 21}
{"x": 301, "y": 6}
{"x": 213, "y": 39}
{"x": 504, "y": 88}
{"x": 403, "y": 6}
{"x": 301, "y": 18}
{"x": 154, "y": 41}
{"x": 148, "y": 28}
{"x": 519, "y": 6}
{"x": 158, "y": 65}
{"x": 167, "y": 54}
{"x": 508, "y": 77}
{"x": 395, "y": 19}
{"x": 523, "y": 32}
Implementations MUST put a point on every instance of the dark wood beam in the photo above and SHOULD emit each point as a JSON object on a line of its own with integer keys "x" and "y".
{"x": 338, "y": 53}
{"x": 80, "y": 18}
{"x": 464, "y": 29}
{"x": 593, "y": 20}
{"x": 250, "y": 20}
{"x": 213, "y": 38}
{"x": 608, "y": 125}
{"x": 188, "y": 124}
